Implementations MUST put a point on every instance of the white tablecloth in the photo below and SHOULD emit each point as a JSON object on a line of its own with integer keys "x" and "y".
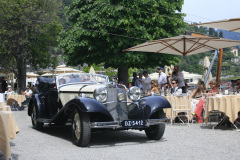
{"x": 2, "y": 97}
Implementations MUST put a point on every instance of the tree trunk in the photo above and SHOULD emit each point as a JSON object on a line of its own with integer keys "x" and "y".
{"x": 21, "y": 73}
{"x": 123, "y": 74}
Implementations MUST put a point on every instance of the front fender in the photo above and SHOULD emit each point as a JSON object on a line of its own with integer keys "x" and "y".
{"x": 88, "y": 105}
{"x": 33, "y": 101}
{"x": 147, "y": 106}
{"x": 156, "y": 103}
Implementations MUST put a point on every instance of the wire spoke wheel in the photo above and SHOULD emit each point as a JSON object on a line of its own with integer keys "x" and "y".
{"x": 81, "y": 130}
{"x": 36, "y": 125}
{"x": 77, "y": 126}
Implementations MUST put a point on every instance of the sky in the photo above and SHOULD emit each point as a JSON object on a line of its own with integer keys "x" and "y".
{"x": 210, "y": 10}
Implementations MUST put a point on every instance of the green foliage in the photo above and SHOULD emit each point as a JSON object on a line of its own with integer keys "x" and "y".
{"x": 221, "y": 34}
{"x": 28, "y": 28}
{"x": 101, "y": 29}
{"x": 191, "y": 63}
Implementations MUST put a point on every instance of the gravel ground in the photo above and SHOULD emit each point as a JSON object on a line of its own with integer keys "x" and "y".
{"x": 178, "y": 142}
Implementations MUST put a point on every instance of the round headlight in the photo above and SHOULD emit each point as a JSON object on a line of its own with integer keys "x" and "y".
{"x": 134, "y": 93}
{"x": 100, "y": 94}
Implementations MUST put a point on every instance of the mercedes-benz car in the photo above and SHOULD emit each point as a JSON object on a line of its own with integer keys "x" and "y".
{"x": 89, "y": 102}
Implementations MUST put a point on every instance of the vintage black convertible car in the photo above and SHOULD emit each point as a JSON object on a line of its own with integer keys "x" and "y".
{"x": 90, "y": 102}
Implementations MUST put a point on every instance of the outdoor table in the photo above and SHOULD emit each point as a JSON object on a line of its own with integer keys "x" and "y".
{"x": 9, "y": 129}
{"x": 228, "y": 104}
{"x": 17, "y": 97}
{"x": 2, "y": 97}
{"x": 5, "y": 108}
{"x": 177, "y": 100}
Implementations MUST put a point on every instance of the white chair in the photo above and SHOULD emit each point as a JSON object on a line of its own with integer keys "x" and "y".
{"x": 180, "y": 104}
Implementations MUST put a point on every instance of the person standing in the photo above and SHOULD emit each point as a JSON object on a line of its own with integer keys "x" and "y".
{"x": 179, "y": 76}
{"x": 4, "y": 85}
{"x": 139, "y": 81}
{"x": 134, "y": 78}
{"x": 146, "y": 82}
{"x": 162, "y": 78}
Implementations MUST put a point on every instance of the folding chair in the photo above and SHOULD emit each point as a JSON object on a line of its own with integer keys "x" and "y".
{"x": 180, "y": 104}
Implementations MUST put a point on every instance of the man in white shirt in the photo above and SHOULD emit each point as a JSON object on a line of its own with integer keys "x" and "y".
{"x": 28, "y": 92}
{"x": 162, "y": 78}
{"x": 179, "y": 76}
{"x": 175, "y": 89}
{"x": 146, "y": 83}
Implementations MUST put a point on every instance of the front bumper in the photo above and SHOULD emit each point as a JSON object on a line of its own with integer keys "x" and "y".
{"x": 118, "y": 124}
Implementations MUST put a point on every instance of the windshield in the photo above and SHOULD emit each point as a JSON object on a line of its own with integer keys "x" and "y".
{"x": 71, "y": 78}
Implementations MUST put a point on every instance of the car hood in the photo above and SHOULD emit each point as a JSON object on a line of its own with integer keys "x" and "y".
{"x": 83, "y": 87}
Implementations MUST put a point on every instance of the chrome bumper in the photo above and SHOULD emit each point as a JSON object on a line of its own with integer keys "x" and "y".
{"x": 117, "y": 124}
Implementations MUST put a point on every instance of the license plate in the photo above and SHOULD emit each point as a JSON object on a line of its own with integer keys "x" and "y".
{"x": 133, "y": 123}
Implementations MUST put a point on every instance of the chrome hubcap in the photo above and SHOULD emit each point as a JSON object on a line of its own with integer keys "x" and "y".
{"x": 34, "y": 118}
{"x": 77, "y": 126}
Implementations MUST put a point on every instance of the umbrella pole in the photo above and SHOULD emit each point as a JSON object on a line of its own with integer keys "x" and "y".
{"x": 210, "y": 67}
{"x": 219, "y": 66}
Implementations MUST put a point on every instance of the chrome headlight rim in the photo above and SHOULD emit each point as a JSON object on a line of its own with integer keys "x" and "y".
{"x": 100, "y": 94}
{"x": 134, "y": 93}
{"x": 121, "y": 97}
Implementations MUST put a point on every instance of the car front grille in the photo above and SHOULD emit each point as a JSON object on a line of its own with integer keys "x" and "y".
{"x": 117, "y": 109}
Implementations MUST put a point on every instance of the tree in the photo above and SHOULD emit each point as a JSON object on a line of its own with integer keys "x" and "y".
{"x": 101, "y": 29}
{"x": 221, "y": 34}
{"x": 215, "y": 34}
{"x": 28, "y": 28}
{"x": 211, "y": 31}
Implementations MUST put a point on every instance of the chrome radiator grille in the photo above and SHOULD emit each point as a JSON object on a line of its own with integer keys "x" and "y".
{"x": 117, "y": 109}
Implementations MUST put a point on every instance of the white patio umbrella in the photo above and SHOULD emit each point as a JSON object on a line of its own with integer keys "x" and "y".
{"x": 154, "y": 76}
{"x": 92, "y": 70}
{"x": 48, "y": 75}
{"x": 206, "y": 67}
{"x": 184, "y": 45}
{"x": 232, "y": 25}
{"x": 67, "y": 70}
{"x": 31, "y": 75}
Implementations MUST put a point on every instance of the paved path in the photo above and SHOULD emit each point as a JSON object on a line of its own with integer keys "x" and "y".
{"x": 178, "y": 142}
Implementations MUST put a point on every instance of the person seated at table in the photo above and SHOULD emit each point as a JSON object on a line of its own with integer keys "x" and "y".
{"x": 233, "y": 87}
{"x": 9, "y": 90}
{"x": 175, "y": 90}
{"x": 155, "y": 89}
{"x": 130, "y": 84}
{"x": 28, "y": 94}
{"x": 199, "y": 109}
{"x": 197, "y": 93}
{"x": 213, "y": 86}
{"x": 238, "y": 85}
